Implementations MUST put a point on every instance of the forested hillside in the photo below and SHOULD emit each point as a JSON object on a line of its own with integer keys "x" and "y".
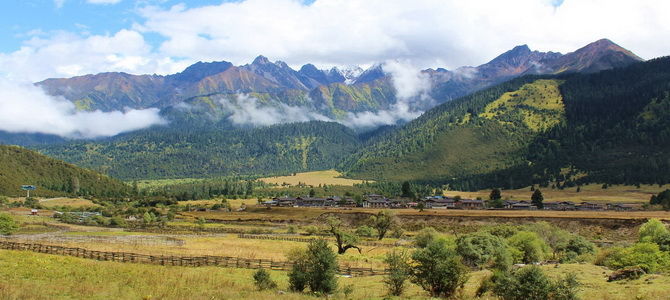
{"x": 610, "y": 126}
{"x": 207, "y": 150}
{"x": 19, "y": 166}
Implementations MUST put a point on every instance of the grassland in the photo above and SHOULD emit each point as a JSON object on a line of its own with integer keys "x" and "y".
{"x": 316, "y": 178}
{"x": 26, "y": 275}
{"x": 76, "y": 202}
{"x": 588, "y": 193}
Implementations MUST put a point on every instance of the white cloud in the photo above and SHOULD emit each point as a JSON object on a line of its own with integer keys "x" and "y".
{"x": 104, "y": 2}
{"x": 429, "y": 32}
{"x": 412, "y": 99}
{"x": 247, "y": 110}
{"x": 66, "y": 54}
{"x": 25, "y": 108}
{"x": 59, "y": 3}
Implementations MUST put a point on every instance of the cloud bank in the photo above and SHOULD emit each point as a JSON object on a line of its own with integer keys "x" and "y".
{"x": 412, "y": 99}
{"x": 25, "y": 108}
{"x": 248, "y": 111}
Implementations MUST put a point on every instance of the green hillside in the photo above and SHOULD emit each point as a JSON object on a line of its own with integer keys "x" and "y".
{"x": 19, "y": 166}
{"x": 209, "y": 150}
{"x": 611, "y": 126}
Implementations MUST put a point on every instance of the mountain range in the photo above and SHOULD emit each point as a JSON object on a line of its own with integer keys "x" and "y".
{"x": 214, "y": 88}
{"x": 527, "y": 117}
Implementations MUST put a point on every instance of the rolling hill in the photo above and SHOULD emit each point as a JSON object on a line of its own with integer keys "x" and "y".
{"x": 19, "y": 166}
{"x": 609, "y": 126}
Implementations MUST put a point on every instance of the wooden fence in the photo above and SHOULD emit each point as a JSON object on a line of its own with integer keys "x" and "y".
{"x": 185, "y": 261}
{"x": 304, "y": 240}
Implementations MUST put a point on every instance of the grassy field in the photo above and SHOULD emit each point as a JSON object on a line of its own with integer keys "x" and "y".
{"x": 329, "y": 177}
{"x": 26, "y": 275}
{"x": 589, "y": 193}
{"x": 76, "y": 202}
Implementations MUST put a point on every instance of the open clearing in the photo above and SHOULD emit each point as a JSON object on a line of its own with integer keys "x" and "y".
{"x": 329, "y": 177}
{"x": 589, "y": 193}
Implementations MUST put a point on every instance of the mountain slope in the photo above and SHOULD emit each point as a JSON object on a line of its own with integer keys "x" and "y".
{"x": 609, "y": 126}
{"x": 337, "y": 92}
{"x": 19, "y": 166}
{"x": 206, "y": 151}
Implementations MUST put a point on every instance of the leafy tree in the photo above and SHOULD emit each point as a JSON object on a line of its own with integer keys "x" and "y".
{"x": 365, "y": 231}
{"x": 406, "y": 190}
{"x": 399, "y": 271}
{"x": 344, "y": 239}
{"x": 425, "y": 236}
{"x": 647, "y": 256}
{"x": 577, "y": 246}
{"x": 322, "y": 268}
{"x": 480, "y": 249}
{"x": 653, "y": 231}
{"x": 421, "y": 206}
{"x": 263, "y": 281}
{"x": 298, "y": 277}
{"x": 527, "y": 247}
{"x": 530, "y": 283}
{"x": 383, "y": 221}
{"x": 495, "y": 194}
{"x": 7, "y": 224}
{"x": 438, "y": 269}
{"x": 537, "y": 199}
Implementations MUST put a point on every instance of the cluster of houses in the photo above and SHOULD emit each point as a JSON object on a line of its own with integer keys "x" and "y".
{"x": 435, "y": 202}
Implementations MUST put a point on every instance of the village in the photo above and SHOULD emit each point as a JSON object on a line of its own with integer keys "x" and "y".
{"x": 438, "y": 202}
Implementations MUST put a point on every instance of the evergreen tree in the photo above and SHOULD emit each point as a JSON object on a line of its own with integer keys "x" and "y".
{"x": 537, "y": 199}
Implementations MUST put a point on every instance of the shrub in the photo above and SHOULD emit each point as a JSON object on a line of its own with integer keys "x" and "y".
{"x": 7, "y": 224}
{"x": 399, "y": 271}
{"x": 438, "y": 269}
{"x": 117, "y": 222}
{"x": 577, "y": 249}
{"x": 530, "y": 283}
{"x": 647, "y": 256}
{"x": 480, "y": 249}
{"x": 425, "y": 236}
{"x": 291, "y": 229}
{"x": 365, "y": 231}
{"x": 315, "y": 268}
{"x": 262, "y": 280}
{"x": 311, "y": 230}
{"x": 654, "y": 231}
{"x": 527, "y": 247}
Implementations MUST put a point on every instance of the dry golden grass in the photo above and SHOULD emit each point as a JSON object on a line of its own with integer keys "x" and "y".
{"x": 329, "y": 177}
{"x": 27, "y": 275}
{"x": 589, "y": 193}
{"x": 76, "y": 202}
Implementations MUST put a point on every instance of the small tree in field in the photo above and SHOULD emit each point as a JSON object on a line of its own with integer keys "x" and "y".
{"x": 315, "y": 268}
{"x": 399, "y": 271}
{"x": 344, "y": 239}
{"x": 537, "y": 199}
{"x": 384, "y": 221}
{"x": 438, "y": 269}
{"x": 7, "y": 224}
{"x": 262, "y": 280}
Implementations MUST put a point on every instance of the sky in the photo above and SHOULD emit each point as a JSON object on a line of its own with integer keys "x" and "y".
{"x": 42, "y": 39}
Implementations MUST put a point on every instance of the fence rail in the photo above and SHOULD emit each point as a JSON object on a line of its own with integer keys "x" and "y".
{"x": 185, "y": 261}
{"x": 304, "y": 240}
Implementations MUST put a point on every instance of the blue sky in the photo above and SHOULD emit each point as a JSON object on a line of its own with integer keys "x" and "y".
{"x": 63, "y": 38}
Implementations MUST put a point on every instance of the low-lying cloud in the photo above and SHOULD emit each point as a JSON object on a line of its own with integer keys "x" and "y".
{"x": 246, "y": 110}
{"x": 25, "y": 108}
{"x": 412, "y": 99}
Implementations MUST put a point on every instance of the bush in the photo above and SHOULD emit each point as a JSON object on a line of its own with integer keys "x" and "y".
{"x": 315, "y": 268}
{"x": 291, "y": 229}
{"x": 117, "y": 222}
{"x": 527, "y": 247}
{"x": 654, "y": 231}
{"x": 311, "y": 230}
{"x": 577, "y": 249}
{"x": 530, "y": 283}
{"x": 7, "y": 224}
{"x": 262, "y": 280}
{"x": 481, "y": 249}
{"x": 399, "y": 271}
{"x": 365, "y": 231}
{"x": 438, "y": 269}
{"x": 647, "y": 256}
{"x": 425, "y": 236}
